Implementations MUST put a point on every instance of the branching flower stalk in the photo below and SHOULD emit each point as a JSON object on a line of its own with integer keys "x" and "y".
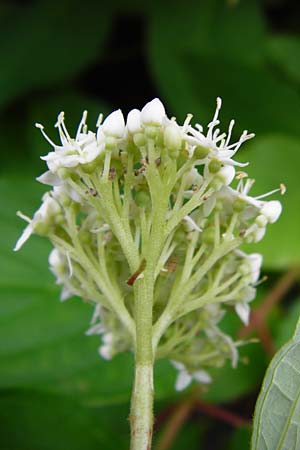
{"x": 147, "y": 219}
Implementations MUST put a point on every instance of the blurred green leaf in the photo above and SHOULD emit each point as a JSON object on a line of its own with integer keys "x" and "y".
{"x": 275, "y": 159}
{"x": 287, "y": 323}
{"x": 283, "y": 52}
{"x": 230, "y": 384}
{"x": 36, "y": 421}
{"x": 48, "y": 43}
{"x": 276, "y": 418}
{"x": 240, "y": 439}
{"x": 190, "y": 436}
{"x": 206, "y": 64}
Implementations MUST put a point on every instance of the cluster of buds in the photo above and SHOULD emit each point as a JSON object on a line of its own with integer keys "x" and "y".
{"x": 153, "y": 194}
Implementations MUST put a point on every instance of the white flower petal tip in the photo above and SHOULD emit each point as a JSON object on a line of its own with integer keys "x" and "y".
{"x": 243, "y": 311}
{"x": 153, "y": 113}
{"x": 191, "y": 224}
{"x": 271, "y": 210}
{"x": 114, "y": 124}
{"x": 105, "y": 352}
{"x": 24, "y": 237}
{"x": 202, "y": 377}
{"x": 183, "y": 380}
{"x": 226, "y": 174}
{"x": 49, "y": 178}
{"x": 134, "y": 121}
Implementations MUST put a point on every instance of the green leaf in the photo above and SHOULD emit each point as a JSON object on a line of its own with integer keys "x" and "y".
{"x": 276, "y": 419}
{"x": 283, "y": 53}
{"x": 206, "y": 64}
{"x": 275, "y": 159}
{"x": 48, "y": 43}
{"x": 36, "y": 421}
{"x": 287, "y": 323}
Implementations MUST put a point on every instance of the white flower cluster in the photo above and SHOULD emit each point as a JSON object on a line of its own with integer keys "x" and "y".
{"x": 149, "y": 192}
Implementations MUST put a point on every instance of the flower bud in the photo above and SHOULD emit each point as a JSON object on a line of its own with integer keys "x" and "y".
{"x": 261, "y": 221}
{"x": 134, "y": 121}
{"x": 172, "y": 137}
{"x": 226, "y": 174}
{"x": 208, "y": 236}
{"x": 271, "y": 210}
{"x": 200, "y": 152}
{"x": 153, "y": 113}
{"x": 114, "y": 124}
{"x": 214, "y": 165}
{"x": 142, "y": 199}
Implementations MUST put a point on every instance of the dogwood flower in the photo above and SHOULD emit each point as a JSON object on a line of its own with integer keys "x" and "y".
{"x": 185, "y": 377}
{"x": 41, "y": 221}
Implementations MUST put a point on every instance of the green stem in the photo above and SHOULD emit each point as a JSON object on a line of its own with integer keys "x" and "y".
{"x": 141, "y": 415}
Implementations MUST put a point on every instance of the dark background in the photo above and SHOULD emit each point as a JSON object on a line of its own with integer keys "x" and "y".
{"x": 56, "y": 393}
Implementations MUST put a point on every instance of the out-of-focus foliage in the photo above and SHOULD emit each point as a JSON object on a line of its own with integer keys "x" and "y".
{"x": 55, "y": 390}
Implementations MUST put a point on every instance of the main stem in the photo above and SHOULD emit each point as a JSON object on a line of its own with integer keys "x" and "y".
{"x": 141, "y": 414}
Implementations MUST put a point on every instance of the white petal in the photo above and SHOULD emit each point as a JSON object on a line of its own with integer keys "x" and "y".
{"x": 227, "y": 174}
{"x": 209, "y": 205}
{"x": 183, "y": 380}
{"x": 49, "y": 178}
{"x": 95, "y": 329}
{"x": 202, "y": 376}
{"x": 153, "y": 113}
{"x": 105, "y": 351}
{"x": 114, "y": 124}
{"x": 271, "y": 210}
{"x": 243, "y": 311}
{"x": 178, "y": 365}
{"x": 191, "y": 224}
{"x": 134, "y": 121}
{"x": 24, "y": 237}
{"x": 65, "y": 294}
{"x": 55, "y": 258}
{"x": 255, "y": 260}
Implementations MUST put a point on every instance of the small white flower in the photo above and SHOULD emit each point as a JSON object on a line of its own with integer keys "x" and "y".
{"x": 114, "y": 124}
{"x": 153, "y": 113}
{"x": 134, "y": 121}
{"x": 218, "y": 143}
{"x": 255, "y": 261}
{"x": 271, "y": 210}
{"x": 243, "y": 311}
{"x": 50, "y": 178}
{"x": 172, "y": 136}
{"x": 44, "y": 214}
{"x": 82, "y": 150}
{"x": 185, "y": 377}
{"x": 226, "y": 174}
{"x": 105, "y": 351}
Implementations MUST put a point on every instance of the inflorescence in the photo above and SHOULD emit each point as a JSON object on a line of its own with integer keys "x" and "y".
{"x": 151, "y": 192}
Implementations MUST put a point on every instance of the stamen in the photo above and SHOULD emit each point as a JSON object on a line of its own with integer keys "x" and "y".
{"x": 40, "y": 127}
{"x": 60, "y": 124}
{"x": 22, "y": 216}
{"x": 282, "y": 188}
{"x": 199, "y": 127}
{"x": 81, "y": 124}
{"x": 187, "y": 121}
{"x": 99, "y": 120}
{"x": 270, "y": 193}
{"x": 240, "y": 175}
{"x": 230, "y": 128}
